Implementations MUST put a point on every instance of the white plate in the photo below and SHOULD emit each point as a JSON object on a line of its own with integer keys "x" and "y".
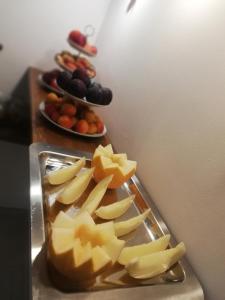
{"x": 42, "y": 110}
{"x": 47, "y": 86}
{"x": 81, "y": 100}
{"x": 79, "y": 48}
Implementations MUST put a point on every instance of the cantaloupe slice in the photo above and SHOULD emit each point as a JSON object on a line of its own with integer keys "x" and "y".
{"x": 115, "y": 210}
{"x": 148, "y": 266}
{"x": 62, "y": 175}
{"x": 107, "y": 230}
{"x": 81, "y": 253}
{"x": 83, "y": 217}
{"x": 125, "y": 227}
{"x": 119, "y": 157}
{"x": 96, "y": 195}
{"x": 101, "y": 260}
{"x": 62, "y": 220}
{"x": 62, "y": 239}
{"x": 61, "y": 248}
{"x": 75, "y": 189}
{"x": 80, "y": 249}
{"x": 113, "y": 248}
{"x": 129, "y": 253}
{"x": 107, "y": 163}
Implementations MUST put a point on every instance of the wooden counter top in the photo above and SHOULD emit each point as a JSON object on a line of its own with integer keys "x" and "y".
{"x": 45, "y": 132}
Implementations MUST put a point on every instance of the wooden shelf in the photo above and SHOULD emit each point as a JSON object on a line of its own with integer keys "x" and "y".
{"x": 44, "y": 132}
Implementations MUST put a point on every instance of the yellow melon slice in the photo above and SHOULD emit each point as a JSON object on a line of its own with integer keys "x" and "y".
{"x": 75, "y": 189}
{"x": 125, "y": 227}
{"x": 113, "y": 248}
{"x": 62, "y": 220}
{"x": 79, "y": 249}
{"x": 96, "y": 195}
{"x": 129, "y": 253}
{"x": 83, "y": 217}
{"x": 106, "y": 230}
{"x": 151, "y": 265}
{"x": 62, "y": 175}
{"x": 61, "y": 248}
{"x": 115, "y": 210}
{"x": 101, "y": 260}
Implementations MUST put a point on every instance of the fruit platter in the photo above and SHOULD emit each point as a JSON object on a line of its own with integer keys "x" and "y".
{"x": 48, "y": 81}
{"x": 79, "y": 87}
{"x": 72, "y": 117}
{"x": 70, "y": 63}
{"x": 97, "y": 233}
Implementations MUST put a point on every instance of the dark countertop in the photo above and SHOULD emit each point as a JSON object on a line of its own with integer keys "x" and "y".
{"x": 14, "y": 222}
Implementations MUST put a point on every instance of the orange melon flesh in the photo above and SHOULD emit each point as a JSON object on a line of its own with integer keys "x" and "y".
{"x": 106, "y": 163}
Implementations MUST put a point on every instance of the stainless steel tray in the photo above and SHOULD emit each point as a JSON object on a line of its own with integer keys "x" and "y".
{"x": 178, "y": 283}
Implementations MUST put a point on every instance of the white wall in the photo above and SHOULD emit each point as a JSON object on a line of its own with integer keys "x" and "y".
{"x": 165, "y": 62}
{"x": 32, "y": 31}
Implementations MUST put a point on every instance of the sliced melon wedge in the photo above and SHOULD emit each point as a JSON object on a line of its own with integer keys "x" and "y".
{"x": 125, "y": 227}
{"x": 107, "y": 163}
{"x": 96, "y": 195}
{"x": 106, "y": 230}
{"x": 113, "y": 248}
{"x": 75, "y": 189}
{"x": 154, "y": 264}
{"x": 101, "y": 260}
{"x": 83, "y": 218}
{"x": 62, "y": 175}
{"x": 129, "y": 253}
{"x": 81, "y": 253}
{"x": 62, "y": 220}
{"x": 62, "y": 239}
{"x": 114, "y": 210}
{"x": 119, "y": 157}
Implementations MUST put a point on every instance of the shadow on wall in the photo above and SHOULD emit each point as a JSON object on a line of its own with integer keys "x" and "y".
{"x": 131, "y": 5}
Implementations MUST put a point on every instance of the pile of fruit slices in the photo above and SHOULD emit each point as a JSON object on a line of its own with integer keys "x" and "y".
{"x": 69, "y": 115}
{"x": 79, "y": 85}
{"x": 72, "y": 62}
{"x": 80, "y": 249}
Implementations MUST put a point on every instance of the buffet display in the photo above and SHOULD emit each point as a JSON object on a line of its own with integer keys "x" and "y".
{"x": 94, "y": 227}
{"x": 76, "y": 89}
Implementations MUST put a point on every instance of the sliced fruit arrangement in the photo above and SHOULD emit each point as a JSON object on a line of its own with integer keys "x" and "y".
{"x": 80, "y": 249}
{"x": 151, "y": 265}
{"x": 129, "y": 253}
{"x": 76, "y": 117}
{"x": 49, "y": 78}
{"x": 108, "y": 163}
{"x": 71, "y": 62}
{"x": 79, "y": 85}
